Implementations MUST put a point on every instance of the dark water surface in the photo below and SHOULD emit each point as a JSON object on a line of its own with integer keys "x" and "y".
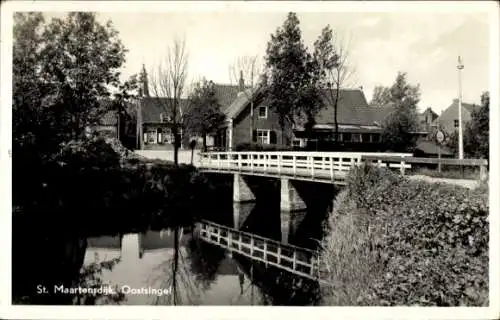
{"x": 207, "y": 274}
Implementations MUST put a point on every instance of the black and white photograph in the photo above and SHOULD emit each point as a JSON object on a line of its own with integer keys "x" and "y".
{"x": 296, "y": 154}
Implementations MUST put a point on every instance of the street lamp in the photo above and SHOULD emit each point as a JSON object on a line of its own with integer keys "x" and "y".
{"x": 460, "y": 66}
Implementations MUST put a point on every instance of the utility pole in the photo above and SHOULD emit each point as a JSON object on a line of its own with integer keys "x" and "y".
{"x": 460, "y": 66}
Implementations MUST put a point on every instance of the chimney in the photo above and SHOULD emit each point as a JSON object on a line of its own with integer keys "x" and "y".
{"x": 361, "y": 88}
{"x": 242, "y": 82}
{"x": 144, "y": 91}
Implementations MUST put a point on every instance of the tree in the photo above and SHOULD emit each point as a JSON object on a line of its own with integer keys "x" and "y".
{"x": 169, "y": 83}
{"x": 288, "y": 75}
{"x": 400, "y": 125}
{"x": 381, "y": 96}
{"x": 62, "y": 71}
{"x": 203, "y": 115}
{"x": 331, "y": 53}
{"x": 248, "y": 69}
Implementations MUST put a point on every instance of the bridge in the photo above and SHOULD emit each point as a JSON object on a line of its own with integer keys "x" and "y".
{"x": 324, "y": 167}
{"x": 320, "y": 167}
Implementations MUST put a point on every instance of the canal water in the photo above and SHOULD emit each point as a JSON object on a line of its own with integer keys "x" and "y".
{"x": 207, "y": 274}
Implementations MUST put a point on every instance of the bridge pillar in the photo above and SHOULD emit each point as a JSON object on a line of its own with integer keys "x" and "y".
{"x": 241, "y": 191}
{"x": 290, "y": 198}
{"x": 130, "y": 247}
{"x": 241, "y": 211}
{"x": 290, "y": 222}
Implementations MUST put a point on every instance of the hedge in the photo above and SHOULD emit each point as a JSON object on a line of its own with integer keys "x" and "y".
{"x": 414, "y": 243}
{"x": 262, "y": 147}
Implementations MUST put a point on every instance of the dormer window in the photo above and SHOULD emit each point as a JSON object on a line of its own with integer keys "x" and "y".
{"x": 263, "y": 112}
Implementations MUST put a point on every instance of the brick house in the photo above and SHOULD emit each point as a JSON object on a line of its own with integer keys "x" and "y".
{"x": 448, "y": 120}
{"x": 358, "y": 122}
{"x": 108, "y": 123}
{"x": 426, "y": 119}
{"x": 154, "y": 124}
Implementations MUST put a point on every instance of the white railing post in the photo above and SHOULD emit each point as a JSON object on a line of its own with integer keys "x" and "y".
{"x": 312, "y": 165}
{"x": 294, "y": 161}
{"x": 402, "y": 169}
{"x": 331, "y": 168}
{"x": 251, "y": 161}
{"x": 239, "y": 162}
{"x": 218, "y": 161}
{"x": 279, "y": 163}
{"x": 266, "y": 159}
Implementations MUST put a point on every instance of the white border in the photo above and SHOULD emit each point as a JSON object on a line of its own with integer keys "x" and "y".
{"x": 8, "y": 311}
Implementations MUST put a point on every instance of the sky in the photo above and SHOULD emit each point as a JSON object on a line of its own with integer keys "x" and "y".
{"x": 425, "y": 45}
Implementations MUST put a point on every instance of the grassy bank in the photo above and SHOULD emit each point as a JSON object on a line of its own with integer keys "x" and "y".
{"x": 398, "y": 242}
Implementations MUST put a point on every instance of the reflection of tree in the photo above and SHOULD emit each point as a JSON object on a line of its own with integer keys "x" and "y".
{"x": 175, "y": 273}
{"x": 90, "y": 278}
{"x": 205, "y": 261}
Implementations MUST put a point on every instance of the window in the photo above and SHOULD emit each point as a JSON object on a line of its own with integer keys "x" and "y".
{"x": 263, "y": 112}
{"x": 356, "y": 137}
{"x": 365, "y": 137}
{"x": 346, "y": 137}
{"x": 160, "y": 135}
{"x": 296, "y": 142}
{"x": 376, "y": 137}
{"x": 263, "y": 136}
{"x": 456, "y": 123}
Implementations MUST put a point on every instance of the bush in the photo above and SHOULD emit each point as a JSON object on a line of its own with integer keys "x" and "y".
{"x": 261, "y": 147}
{"x": 427, "y": 243}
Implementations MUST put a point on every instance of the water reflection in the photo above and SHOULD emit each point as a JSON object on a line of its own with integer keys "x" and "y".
{"x": 207, "y": 274}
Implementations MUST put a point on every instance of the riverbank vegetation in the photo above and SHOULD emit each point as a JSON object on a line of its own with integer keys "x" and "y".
{"x": 398, "y": 242}
{"x": 68, "y": 184}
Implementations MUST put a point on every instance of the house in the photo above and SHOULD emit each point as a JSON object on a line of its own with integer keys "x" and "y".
{"x": 154, "y": 124}
{"x": 448, "y": 120}
{"x": 107, "y": 126}
{"x": 359, "y": 124}
{"x": 426, "y": 118}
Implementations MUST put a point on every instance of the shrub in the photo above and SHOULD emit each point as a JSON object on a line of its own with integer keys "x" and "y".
{"x": 430, "y": 240}
{"x": 261, "y": 147}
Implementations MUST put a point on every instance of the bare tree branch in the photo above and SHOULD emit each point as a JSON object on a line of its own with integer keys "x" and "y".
{"x": 248, "y": 68}
{"x": 168, "y": 82}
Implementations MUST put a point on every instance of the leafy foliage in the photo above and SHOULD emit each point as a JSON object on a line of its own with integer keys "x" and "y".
{"x": 289, "y": 73}
{"x": 204, "y": 115}
{"x": 430, "y": 240}
{"x": 261, "y": 147}
{"x": 398, "y": 127}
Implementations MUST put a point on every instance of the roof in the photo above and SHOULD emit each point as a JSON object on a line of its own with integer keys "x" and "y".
{"x": 152, "y": 107}
{"x": 352, "y": 108}
{"x": 239, "y": 103}
{"x": 226, "y": 94}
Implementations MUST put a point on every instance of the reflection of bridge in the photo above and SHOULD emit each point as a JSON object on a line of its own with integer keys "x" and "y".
{"x": 294, "y": 259}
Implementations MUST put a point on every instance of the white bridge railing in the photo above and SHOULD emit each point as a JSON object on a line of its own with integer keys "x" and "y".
{"x": 315, "y": 165}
